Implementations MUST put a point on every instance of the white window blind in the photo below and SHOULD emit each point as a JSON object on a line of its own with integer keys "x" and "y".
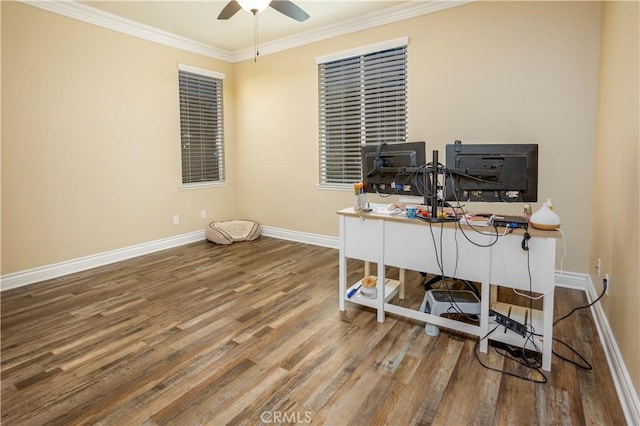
{"x": 362, "y": 99}
{"x": 201, "y": 125}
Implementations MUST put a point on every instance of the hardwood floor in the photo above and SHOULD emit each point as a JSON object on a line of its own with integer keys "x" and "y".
{"x": 251, "y": 334}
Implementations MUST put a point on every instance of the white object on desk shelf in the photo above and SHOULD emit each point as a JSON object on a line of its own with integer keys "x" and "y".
{"x": 369, "y": 292}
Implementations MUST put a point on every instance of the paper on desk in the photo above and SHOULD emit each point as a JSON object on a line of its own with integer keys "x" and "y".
{"x": 387, "y": 210}
{"x": 476, "y": 220}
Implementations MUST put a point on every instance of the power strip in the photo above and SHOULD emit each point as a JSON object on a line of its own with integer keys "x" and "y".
{"x": 510, "y": 324}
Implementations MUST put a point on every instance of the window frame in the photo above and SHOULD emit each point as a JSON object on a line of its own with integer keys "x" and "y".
{"x": 219, "y": 133}
{"x": 324, "y": 181}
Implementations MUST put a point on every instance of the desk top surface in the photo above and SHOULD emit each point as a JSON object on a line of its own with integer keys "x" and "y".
{"x": 350, "y": 211}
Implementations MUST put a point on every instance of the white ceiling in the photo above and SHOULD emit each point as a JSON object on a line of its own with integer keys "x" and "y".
{"x": 197, "y": 20}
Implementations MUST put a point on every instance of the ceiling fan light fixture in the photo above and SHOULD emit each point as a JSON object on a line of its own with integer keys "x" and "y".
{"x": 254, "y": 6}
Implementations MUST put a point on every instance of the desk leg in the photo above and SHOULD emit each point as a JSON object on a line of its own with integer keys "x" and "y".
{"x": 381, "y": 296}
{"x": 485, "y": 304}
{"x": 342, "y": 268}
{"x": 401, "y": 279}
{"x": 547, "y": 305}
{"x": 547, "y": 332}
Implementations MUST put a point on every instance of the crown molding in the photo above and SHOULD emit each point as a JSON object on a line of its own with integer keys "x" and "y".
{"x": 90, "y": 15}
{"x": 81, "y": 12}
{"x": 390, "y": 15}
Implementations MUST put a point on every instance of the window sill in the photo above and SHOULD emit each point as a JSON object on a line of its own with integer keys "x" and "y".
{"x": 335, "y": 187}
{"x": 190, "y": 186}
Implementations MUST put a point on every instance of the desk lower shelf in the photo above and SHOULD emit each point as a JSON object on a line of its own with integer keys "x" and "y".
{"x": 523, "y": 316}
{"x": 391, "y": 288}
{"x": 501, "y": 334}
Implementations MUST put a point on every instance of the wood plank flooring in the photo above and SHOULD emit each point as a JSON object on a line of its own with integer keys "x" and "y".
{"x": 251, "y": 334}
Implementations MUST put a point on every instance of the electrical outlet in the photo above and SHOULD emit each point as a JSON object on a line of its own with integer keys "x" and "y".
{"x": 599, "y": 266}
{"x": 606, "y": 281}
{"x": 176, "y": 219}
{"x": 203, "y": 214}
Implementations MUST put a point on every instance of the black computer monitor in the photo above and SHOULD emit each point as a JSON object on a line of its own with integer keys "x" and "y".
{"x": 394, "y": 168}
{"x": 492, "y": 172}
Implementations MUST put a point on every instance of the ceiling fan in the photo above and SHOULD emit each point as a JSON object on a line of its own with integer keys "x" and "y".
{"x": 286, "y": 7}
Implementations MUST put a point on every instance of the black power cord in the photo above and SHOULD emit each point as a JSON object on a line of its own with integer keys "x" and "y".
{"x": 585, "y": 365}
{"x": 515, "y": 356}
{"x": 604, "y": 290}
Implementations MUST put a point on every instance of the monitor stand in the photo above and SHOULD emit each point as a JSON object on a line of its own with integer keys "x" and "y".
{"x": 433, "y": 202}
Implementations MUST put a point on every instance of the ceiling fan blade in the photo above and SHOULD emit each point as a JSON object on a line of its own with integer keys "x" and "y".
{"x": 229, "y": 10}
{"x": 289, "y": 9}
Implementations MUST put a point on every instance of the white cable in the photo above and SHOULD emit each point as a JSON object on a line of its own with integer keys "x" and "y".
{"x": 561, "y": 269}
{"x": 564, "y": 254}
{"x": 531, "y": 297}
{"x": 506, "y": 273}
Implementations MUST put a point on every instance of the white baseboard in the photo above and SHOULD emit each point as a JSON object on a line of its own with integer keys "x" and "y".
{"x": 47, "y": 272}
{"x": 300, "y": 237}
{"x": 622, "y": 381}
{"x": 624, "y": 386}
{"x": 30, "y": 276}
{"x": 571, "y": 280}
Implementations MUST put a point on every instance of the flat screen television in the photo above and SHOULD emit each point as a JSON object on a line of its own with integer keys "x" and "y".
{"x": 492, "y": 172}
{"x": 394, "y": 168}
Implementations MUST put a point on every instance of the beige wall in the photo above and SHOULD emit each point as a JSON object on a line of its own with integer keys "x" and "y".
{"x": 616, "y": 238}
{"x": 0, "y": 140}
{"x": 84, "y": 172}
{"x": 90, "y": 148}
{"x": 485, "y": 72}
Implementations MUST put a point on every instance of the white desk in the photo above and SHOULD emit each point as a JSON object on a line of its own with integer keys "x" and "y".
{"x": 409, "y": 244}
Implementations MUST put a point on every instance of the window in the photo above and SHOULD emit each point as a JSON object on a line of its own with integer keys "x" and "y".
{"x": 201, "y": 126}
{"x": 362, "y": 99}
